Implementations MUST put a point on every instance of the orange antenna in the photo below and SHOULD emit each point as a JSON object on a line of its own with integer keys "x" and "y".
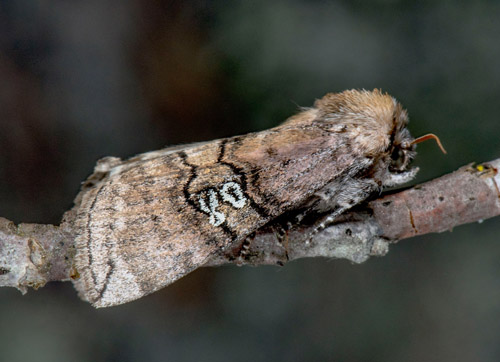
{"x": 428, "y": 137}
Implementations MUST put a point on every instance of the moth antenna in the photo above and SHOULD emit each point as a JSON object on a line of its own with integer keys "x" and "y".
{"x": 428, "y": 137}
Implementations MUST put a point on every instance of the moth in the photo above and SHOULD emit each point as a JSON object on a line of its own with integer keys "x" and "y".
{"x": 145, "y": 222}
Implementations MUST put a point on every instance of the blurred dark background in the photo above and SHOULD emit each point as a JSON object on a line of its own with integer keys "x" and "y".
{"x": 84, "y": 79}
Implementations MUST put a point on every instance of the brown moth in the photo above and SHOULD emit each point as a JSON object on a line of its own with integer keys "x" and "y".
{"x": 145, "y": 222}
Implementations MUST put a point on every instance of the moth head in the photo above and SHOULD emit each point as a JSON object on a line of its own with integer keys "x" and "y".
{"x": 376, "y": 125}
{"x": 401, "y": 150}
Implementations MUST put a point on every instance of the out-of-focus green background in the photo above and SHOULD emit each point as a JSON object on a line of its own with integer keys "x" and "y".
{"x": 84, "y": 79}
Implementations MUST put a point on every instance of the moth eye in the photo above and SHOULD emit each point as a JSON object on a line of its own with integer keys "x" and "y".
{"x": 396, "y": 154}
{"x": 398, "y": 159}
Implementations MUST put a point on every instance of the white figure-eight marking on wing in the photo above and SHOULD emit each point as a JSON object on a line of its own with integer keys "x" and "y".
{"x": 230, "y": 193}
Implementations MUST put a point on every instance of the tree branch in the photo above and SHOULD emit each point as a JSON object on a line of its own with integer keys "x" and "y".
{"x": 33, "y": 254}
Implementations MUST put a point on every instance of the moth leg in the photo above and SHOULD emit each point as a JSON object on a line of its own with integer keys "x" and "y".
{"x": 244, "y": 253}
{"x": 339, "y": 197}
{"x": 345, "y": 201}
{"x": 281, "y": 232}
{"x": 326, "y": 222}
{"x": 244, "y": 250}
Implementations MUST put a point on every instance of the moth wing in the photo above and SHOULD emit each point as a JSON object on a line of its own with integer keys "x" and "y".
{"x": 136, "y": 232}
